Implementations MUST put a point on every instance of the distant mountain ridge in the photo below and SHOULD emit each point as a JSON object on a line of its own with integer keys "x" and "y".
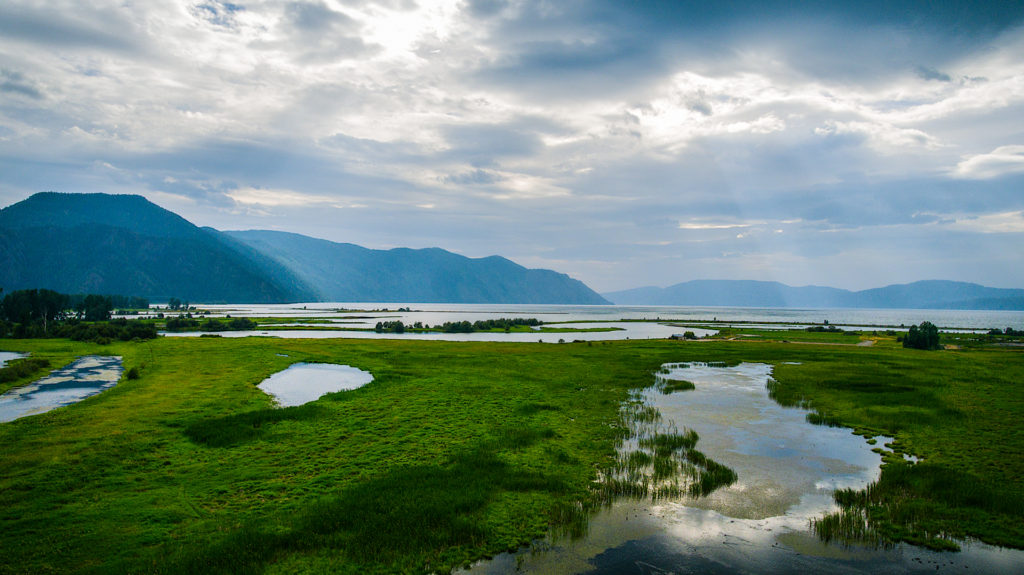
{"x": 124, "y": 244}
{"x": 347, "y": 272}
{"x": 99, "y": 243}
{"x": 928, "y": 294}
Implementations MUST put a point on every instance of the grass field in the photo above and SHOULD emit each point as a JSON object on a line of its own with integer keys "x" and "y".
{"x": 456, "y": 451}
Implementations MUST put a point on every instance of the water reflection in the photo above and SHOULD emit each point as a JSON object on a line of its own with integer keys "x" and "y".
{"x": 305, "y": 382}
{"x": 787, "y": 470}
{"x": 82, "y": 378}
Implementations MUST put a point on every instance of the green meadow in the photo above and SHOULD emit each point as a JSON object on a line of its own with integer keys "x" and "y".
{"x": 456, "y": 451}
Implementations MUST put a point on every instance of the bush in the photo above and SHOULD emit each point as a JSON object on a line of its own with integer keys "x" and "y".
{"x": 389, "y": 327}
{"x": 925, "y": 336}
{"x": 20, "y": 368}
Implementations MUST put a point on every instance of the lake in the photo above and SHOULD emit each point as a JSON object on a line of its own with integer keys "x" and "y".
{"x": 366, "y": 315}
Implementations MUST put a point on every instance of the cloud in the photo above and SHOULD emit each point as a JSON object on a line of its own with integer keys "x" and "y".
{"x": 473, "y": 177}
{"x": 927, "y": 73}
{"x": 220, "y": 14}
{"x": 999, "y": 162}
{"x": 279, "y": 197}
{"x": 15, "y": 83}
{"x": 107, "y": 28}
{"x": 880, "y": 135}
{"x": 998, "y": 223}
{"x": 624, "y": 142}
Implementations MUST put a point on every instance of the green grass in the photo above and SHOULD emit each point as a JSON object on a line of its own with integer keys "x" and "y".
{"x": 189, "y": 468}
{"x": 797, "y": 335}
{"x": 959, "y": 412}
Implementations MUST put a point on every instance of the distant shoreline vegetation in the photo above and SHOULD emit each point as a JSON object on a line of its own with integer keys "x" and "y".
{"x": 43, "y": 313}
{"x": 188, "y": 323}
{"x": 500, "y": 324}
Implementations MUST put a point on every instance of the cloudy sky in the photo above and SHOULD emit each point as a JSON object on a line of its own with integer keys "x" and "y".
{"x": 626, "y": 143}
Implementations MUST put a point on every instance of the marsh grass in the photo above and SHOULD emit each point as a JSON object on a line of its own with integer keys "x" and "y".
{"x": 668, "y": 386}
{"x": 938, "y": 410}
{"x": 189, "y": 468}
{"x": 22, "y": 368}
{"x": 231, "y": 430}
{"x": 918, "y": 503}
{"x": 657, "y": 460}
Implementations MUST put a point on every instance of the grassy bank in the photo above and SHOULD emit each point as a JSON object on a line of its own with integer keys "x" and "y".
{"x": 456, "y": 451}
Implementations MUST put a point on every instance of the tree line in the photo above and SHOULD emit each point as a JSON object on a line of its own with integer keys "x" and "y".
{"x": 39, "y": 313}
{"x": 459, "y": 326}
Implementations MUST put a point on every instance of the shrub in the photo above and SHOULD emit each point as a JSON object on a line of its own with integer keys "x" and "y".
{"x": 925, "y": 336}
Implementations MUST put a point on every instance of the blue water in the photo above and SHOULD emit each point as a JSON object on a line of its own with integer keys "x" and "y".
{"x": 6, "y": 356}
{"x": 84, "y": 377}
{"x": 305, "y": 382}
{"x": 353, "y": 314}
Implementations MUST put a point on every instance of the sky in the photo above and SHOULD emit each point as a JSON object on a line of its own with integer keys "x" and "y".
{"x": 626, "y": 143}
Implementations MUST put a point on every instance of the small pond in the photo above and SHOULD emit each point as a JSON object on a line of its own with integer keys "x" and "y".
{"x": 787, "y": 470}
{"x": 80, "y": 379}
{"x": 6, "y": 356}
{"x": 305, "y": 382}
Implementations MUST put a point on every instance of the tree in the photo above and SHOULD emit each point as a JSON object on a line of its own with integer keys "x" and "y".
{"x": 97, "y": 307}
{"x": 925, "y": 336}
{"x": 32, "y": 306}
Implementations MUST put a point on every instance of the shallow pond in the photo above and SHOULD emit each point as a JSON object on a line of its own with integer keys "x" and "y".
{"x": 787, "y": 470}
{"x": 305, "y": 382}
{"x": 6, "y": 356}
{"x": 80, "y": 379}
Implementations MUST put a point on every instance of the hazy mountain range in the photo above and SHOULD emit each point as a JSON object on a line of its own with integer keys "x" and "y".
{"x": 933, "y": 294}
{"x": 126, "y": 245}
{"x": 123, "y": 244}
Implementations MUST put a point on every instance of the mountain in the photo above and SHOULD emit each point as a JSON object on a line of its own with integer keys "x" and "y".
{"x": 347, "y": 272}
{"x": 122, "y": 244}
{"x": 931, "y": 294}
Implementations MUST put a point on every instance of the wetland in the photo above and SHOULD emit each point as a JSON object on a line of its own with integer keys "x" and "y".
{"x": 460, "y": 451}
{"x": 83, "y": 378}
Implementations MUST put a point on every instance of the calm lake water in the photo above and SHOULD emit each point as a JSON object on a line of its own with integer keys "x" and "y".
{"x": 82, "y": 378}
{"x": 305, "y": 382}
{"x": 787, "y": 471}
{"x": 365, "y": 315}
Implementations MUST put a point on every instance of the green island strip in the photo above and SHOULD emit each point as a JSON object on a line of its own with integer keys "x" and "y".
{"x": 457, "y": 450}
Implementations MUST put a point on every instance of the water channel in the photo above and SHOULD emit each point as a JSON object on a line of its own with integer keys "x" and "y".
{"x": 787, "y": 471}
{"x": 80, "y": 379}
{"x": 6, "y": 356}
